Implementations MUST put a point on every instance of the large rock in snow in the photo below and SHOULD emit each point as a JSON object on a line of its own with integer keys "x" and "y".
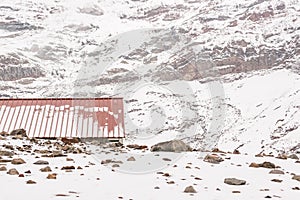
{"x": 18, "y": 132}
{"x": 171, "y": 146}
{"x": 234, "y": 181}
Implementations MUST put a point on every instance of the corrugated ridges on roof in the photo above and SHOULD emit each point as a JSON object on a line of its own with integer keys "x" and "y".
{"x": 64, "y": 117}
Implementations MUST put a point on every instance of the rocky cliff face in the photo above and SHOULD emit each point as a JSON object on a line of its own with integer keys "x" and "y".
{"x": 238, "y": 36}
{"x": 13, "y": 68}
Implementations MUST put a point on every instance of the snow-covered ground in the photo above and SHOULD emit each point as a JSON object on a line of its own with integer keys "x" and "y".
{"x": 102, "y": 181}
{"x": 213, "y": 73}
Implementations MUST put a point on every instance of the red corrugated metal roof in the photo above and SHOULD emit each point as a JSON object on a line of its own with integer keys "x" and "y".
{"x": 64, "y": 117}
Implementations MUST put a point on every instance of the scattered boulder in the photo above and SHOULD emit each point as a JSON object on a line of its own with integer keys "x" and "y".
{"x": 236, "y": 152}
{"x": 30, "y": 182}
{"x": 51, "y": 176}
{"x": 66, "y": 148}
{"x": 115, "y": 144}
{"x": 171, "y": 182}
{"x": 171, "y": 146}
{"x": 166, "y": 174}
{"x": 296, "y": 177}
{"x": 4, "y": 160}
{"x": 67, "y": 168}
{"x": 9, "y": 147}
{"x": 276, "y": 180}
{"x": 115, "y": 165}
{"x": 131, "y": 159}
{"x": 104, "y": 162}
{"x": 217, "y": 150}
{"x": 58, "y": 154}
{"x": 3, "y": 133}
{"x": 3, "y": 168}
{"x": 276, "y": 171}
{"x": 294, "y": 156}
{"x": 215, "y": 159}
{"x": 55, "y": 154}
{"x": 255, "y": 165}
{"x": 41, "y": 162}
{"x": 70, "y": 140}
{"x": 234, "y": 181}
{"x": 62, "y": 195}
{"x": 264, "y": 190}
{"x": 268, "y": 165}
{"x": 189, "y": 189}
{"x": 259, "y": 155}
{"x": 107, "y": 161}
{"x": 13, "y": 171}
{"x": 18, "y": 132}
{"x": 137, "y": 147}
{"x": 282, "y": 156}
{"x": 17, "y": 161}
{"x": 43, "y": 151}
{"x": 46, "y": 169}
{"x": 167, "y": 159}
{"x": 6, "y": 153}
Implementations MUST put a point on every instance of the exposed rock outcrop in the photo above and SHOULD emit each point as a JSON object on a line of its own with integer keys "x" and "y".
{"x": 171, "y": 146}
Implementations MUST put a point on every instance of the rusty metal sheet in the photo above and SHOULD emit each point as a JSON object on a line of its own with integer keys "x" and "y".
{"x": 64, "y": 117}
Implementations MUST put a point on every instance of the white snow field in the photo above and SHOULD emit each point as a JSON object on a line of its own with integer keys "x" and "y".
{"x": 102, "y": 181}
{"x": 214, "y": 74}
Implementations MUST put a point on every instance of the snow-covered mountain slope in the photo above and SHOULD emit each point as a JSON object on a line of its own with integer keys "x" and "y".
{"x": 220, "y": 73}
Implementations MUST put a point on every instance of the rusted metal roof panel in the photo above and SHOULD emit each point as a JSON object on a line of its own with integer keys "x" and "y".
{"x": 64, "y": 117}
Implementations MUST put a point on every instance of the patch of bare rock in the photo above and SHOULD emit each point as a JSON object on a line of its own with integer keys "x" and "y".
{"x": 171, "y": 146}
{"x": 51, "y": 176}
{"x": 115, "y": 165}
{"x": 276, "y": 180}
{"x": 62, "y": 195}
{"x": 67, "y": 168}
{"x": 234, "y": 181}
{"x": 3, "y": 168}
{"x": 46, "y": 169}
{"x": 296, "y": 177}
{"x": 137, "y": 147}
{"x": 30, "y": 182}
{"x": 13, "y": 171}
{"x": 17, "y": 161}
{"x": 263, "y": 165}
{"x": 276, "y": 171}
{"x": 41, "y": 162}
{"x": 293, "y": 156}
{"x": 108, "y": 161}
{"x": 213, "y": 158}
{"x": 189, "y": 189}
{"x": 6, "y": 153}
{"x": 131, "y": 159}
{"x": 18, "y": 132}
